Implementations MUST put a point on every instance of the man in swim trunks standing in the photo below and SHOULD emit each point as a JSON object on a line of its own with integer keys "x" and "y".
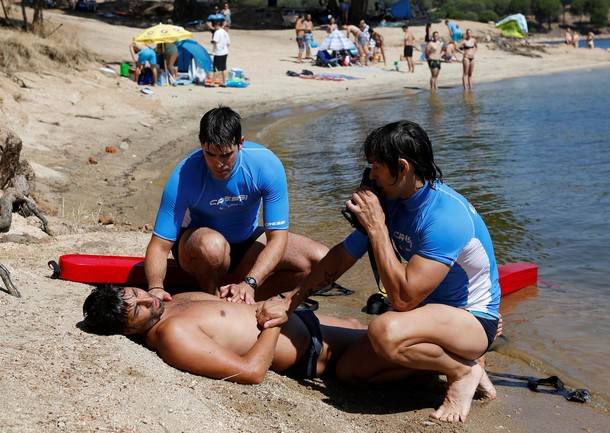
{"x": 433, "y": 54}
{"x": 201, "y": 334}
{"x": 409, "y": 44}
{"x": 299, "y": 29}
{"x": 208, "y": 219}
{"x": 446, "y": 298}
{"x": 308, "y": 35}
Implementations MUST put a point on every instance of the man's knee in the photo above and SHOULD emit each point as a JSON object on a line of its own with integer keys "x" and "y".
{"x": 385, "y": 336}
{"x": 208, "y": 246}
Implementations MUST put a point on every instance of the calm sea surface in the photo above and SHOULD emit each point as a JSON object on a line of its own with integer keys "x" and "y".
{"x": 582, "y": 43}
{"x": 532, "y": 154}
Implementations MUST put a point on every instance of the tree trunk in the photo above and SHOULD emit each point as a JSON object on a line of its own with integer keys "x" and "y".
{"x": 25, "y": 17}
{"x": 4, "y": 10}
{"x": 14, "y": 180}
{"x": 37, "y": 21}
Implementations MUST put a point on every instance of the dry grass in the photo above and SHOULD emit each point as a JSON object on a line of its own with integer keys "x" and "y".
{"x": 21, "y": 51}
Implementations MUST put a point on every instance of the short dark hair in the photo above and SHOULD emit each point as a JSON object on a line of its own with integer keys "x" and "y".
{"x": 105, "y": 310}
{"x": 405, "y": 27}
{"x": 221, "y": 127}
{"x": 407, "y": 140}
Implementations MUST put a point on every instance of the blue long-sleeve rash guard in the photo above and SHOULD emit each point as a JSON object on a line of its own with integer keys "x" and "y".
{"x": 192, "y": 197}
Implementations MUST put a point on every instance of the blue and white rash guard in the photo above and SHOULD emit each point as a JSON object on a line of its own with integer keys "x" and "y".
{"x": 192, "y": 197}
{"x": 440, "y": 224}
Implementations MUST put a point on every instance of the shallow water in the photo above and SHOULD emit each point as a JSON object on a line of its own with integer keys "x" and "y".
{"x": 531, "y": 154}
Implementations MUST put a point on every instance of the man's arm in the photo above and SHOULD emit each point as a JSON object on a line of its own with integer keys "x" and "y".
{"x": 192, "y": 350}
{"x": 274, "y": 312}
{"x": 265, "y": 263}
{"x": 407, "y": 286}
{"x": 155, "y": 265}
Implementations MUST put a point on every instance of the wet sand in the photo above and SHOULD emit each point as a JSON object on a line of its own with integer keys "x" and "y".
{"x": 58, "y": 378}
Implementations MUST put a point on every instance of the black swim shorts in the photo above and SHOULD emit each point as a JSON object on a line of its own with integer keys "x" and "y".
{"x": 408, "y": 51}
{"x": 490, "y": 326}
{"x": 306, "y": 366}
{"x": 220, "y": 63}
{"x": 434, "y": 64}
{"x": 238, "y": 249}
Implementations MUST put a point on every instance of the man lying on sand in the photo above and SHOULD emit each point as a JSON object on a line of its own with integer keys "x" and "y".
{"x": 205, "y": 335}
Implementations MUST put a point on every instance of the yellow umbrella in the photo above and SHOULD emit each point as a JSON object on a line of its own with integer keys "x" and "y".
{"x": 163, "y": 33}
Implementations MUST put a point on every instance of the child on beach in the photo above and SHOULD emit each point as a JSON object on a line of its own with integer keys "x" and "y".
{"x": 590, "y": 40}
{"x": 221, "y": 42}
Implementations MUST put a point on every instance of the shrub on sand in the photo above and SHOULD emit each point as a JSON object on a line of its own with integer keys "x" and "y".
{"x": 21, "y": 51}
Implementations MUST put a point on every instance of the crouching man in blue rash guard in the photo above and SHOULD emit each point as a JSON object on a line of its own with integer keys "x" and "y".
{"x": 446, "y": 299}
{"x": 208, "y": 219}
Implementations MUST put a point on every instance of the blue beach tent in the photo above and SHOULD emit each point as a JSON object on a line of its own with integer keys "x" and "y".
{"x": 189, "y": 49}
{"x": 402, "y": 10}
{"x": 513, "y": 26}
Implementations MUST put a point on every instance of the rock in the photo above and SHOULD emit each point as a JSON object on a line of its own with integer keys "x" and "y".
{"x": 92, "y": 160}
{"x": 105, "y": 219}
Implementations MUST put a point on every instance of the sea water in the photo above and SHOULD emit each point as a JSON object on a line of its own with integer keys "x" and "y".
{"x": 533, "y": 156}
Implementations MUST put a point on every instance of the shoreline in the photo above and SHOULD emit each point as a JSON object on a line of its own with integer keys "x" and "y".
{"x": 63, "y": 379}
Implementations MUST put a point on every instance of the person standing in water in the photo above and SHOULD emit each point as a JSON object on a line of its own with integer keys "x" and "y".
{"x": 469, "y": 49}
{"x": 433, "y": 54}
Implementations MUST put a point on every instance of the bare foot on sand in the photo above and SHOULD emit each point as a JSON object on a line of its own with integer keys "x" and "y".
{"x": 486, "y": 390}
{"x": 459, "y": 396}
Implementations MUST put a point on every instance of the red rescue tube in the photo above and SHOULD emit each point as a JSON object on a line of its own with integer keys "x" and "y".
{"x": 129, "y": 271}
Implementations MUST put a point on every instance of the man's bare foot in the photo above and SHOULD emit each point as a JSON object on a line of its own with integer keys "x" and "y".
{"x": 486, "y": 390}
{"x": 459, "y": 396}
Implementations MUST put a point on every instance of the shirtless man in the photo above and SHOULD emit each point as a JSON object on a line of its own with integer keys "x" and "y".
{"x": 202, "y": 334}
{"x": 362, "y": 42}
{"x": 308, "y": 35}
{"x": 433, "y": 54}
{"x": 409, "y": 44}
{"x": 300, "y": 34}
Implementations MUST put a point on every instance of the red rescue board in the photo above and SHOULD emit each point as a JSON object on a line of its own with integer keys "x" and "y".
{"x": 129, "y": 271}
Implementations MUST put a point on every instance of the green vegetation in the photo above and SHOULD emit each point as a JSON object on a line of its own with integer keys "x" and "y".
{"x": 545, "y": 11}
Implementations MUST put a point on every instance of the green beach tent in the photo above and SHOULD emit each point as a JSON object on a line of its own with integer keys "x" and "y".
{"x": 513, "y": 26}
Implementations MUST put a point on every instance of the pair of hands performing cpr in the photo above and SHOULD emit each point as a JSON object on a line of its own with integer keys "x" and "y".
{"x": 238, "y": 293}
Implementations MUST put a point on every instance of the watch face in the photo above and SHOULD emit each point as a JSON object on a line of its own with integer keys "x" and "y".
{"x": 251, "y": 281}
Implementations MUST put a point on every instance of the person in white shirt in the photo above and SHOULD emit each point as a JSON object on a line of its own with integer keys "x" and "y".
{"x": 221, "y": 42}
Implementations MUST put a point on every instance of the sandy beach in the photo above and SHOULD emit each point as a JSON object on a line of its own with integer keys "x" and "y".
{"x": 59, "y": 378}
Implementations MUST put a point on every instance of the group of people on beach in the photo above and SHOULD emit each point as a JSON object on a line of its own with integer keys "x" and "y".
{"x": 572, "y": 38}
{"x": 370, "y": 47}
{"x": 154, "y": 57}
{"x": 245, "y": 319}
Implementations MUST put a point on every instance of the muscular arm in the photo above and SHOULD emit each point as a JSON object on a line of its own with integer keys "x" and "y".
{"x": 155, "y": 263}
{"x": 407, "y": 286}
{"x": 186, "y": 347}
{"x": 270, "y": 256}
{"x": 274, "y": 312}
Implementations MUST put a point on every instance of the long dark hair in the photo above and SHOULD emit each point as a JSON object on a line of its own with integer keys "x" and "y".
{"x": 407, "y": 140}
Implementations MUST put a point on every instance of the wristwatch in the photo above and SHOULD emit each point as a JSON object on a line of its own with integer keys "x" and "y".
{"x": 251, "y": 281}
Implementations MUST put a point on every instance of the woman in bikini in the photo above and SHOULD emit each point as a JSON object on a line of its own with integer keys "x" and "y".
{"x": 469, "y": 48}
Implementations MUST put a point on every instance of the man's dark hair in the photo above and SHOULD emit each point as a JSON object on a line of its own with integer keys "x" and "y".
{"x": 221, "y": 127}
{"x": 407, "y": 140}
{"x": 405, "y": 27}
{"x": 105, "y": 310}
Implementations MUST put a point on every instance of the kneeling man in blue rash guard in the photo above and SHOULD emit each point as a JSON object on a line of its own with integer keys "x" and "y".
{"x": 208, "y": 219}
{"x": 446, "y": 299}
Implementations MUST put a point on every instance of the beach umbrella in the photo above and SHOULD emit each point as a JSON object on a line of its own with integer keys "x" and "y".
{"x": 162, "y": 33}
{"x": 337, "y": 41}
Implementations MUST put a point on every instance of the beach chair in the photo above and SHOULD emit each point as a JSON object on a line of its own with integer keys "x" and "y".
{"x": 323, "y": 58}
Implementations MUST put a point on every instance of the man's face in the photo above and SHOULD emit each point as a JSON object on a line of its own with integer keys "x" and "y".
{"x": 387, "y": 184}
{"x": 144, "y": 309}
{"x": 221, "y": 160}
